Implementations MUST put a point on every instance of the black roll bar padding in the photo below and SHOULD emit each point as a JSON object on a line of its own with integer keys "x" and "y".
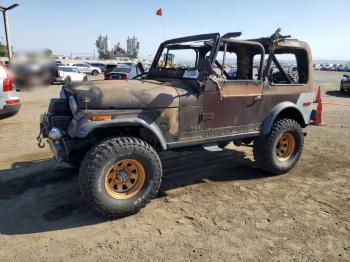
{"x": 280, "y": 68}
{"x": 232, "y": 34}
{"x": 221, "y": 68}
{"x": 268, "y": 63}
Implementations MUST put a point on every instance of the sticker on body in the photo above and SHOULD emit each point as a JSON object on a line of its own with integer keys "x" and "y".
{"x": 193, "y": 74}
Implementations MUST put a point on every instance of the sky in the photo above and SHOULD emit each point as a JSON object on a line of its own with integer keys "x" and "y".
{"x": 72, "y": 26}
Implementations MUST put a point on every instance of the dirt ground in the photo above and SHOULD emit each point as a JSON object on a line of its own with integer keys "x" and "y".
{"x": 211, "y": 207}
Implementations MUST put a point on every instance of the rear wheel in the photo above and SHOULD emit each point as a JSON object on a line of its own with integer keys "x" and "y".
{"x": 120, "y": 175}
{"x": 281, "y": 149}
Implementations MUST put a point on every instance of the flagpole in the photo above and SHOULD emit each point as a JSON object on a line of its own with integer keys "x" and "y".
{"x": 163, "y": 31}
{"x": 159, "y": 12}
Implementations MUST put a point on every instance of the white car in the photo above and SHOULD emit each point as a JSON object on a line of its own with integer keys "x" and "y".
{"x": 318, "y": 67}
{"x": 123, "y": 71}
{"x": 88, "y": 69}
{"x": 67, "y": 74}
{"x": 9, "y": 101}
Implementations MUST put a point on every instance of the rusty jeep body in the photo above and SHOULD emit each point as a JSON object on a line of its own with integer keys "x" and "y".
{"x": 117, "y": 128}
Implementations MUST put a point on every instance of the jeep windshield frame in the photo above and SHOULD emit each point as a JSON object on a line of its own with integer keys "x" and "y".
{"x": 205, "y": 46}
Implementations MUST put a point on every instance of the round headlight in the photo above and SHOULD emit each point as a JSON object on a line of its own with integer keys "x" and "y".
{"x": 73, "y": 104}
{"x": 55, "y": 133}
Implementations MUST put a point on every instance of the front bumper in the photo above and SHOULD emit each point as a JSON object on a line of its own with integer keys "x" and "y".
{"x": 9, "y": 110}
{"x": 59, "y": 149}
{"x": 64, "y": 147}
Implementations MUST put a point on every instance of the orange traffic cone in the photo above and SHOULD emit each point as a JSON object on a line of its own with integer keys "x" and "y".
{"x": 319, "y": 116}
{"x": 319, "y": 110}
{"x": 318, "y": 98}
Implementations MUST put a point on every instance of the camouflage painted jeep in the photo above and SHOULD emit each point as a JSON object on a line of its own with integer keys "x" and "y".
{"x": 200, "y": 91}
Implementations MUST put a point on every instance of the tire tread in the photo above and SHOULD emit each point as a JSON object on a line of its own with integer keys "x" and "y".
{"x": 92, "y": 163}
{"x": 263, "y": 145}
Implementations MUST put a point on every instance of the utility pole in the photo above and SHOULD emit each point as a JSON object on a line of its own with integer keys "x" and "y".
{"x": 6, "y": 25}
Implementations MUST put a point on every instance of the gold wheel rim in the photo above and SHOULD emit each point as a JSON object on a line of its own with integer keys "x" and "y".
{"x": 125, "y": 179}
{"x": 285, "y": 147}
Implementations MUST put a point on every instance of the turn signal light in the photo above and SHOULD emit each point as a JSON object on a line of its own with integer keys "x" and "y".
{"x": 307, "y": 103}
{"x": 101, "y": 118}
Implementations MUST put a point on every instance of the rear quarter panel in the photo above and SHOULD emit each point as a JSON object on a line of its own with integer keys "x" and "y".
{"x": 2, "y": 100}
{"x": 3, "y": 75}
{"x": 296, "y": 93}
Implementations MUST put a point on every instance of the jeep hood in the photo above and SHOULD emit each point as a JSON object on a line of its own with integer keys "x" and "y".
{"x": 133, "y": 94}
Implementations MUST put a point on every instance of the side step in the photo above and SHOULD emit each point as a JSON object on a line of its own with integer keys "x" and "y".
{"x": 212, "y": 147}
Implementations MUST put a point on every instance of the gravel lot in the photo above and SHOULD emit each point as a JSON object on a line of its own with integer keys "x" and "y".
{"x": 212, "y": 206}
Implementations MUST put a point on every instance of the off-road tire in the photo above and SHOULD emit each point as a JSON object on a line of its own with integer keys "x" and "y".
{"x": 265, "y": 145}
{"x": 94, "y": 72}
{"x": 101, "y": 158}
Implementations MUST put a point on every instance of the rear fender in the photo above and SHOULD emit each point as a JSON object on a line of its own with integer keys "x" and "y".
{"x": 283, "y": 108}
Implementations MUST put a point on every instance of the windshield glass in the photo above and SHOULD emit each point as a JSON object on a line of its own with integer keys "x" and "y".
{"x": 122, "y": 70}
{"x": 179, "y": 58}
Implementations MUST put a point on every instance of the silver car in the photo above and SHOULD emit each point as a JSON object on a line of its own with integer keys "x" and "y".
{"x": 88, "y": 69}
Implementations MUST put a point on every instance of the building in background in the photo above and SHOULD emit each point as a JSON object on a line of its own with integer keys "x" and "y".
{"x": 132, "y": 46}
{"x": 106, "y": 52}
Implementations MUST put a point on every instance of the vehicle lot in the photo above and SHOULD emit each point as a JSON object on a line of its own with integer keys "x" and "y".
{"x": 212, "y": 206}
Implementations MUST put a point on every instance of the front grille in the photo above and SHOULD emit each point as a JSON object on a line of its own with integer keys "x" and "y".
{"x": 59, "y": 106}
{"x": 59, "y": 114}
{"x": 61, "y": 122}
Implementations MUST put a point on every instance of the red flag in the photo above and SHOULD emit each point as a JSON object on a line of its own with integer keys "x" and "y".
{"x": 159, "y": 12}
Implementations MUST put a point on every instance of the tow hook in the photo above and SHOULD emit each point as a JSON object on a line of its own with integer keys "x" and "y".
{"x": 41, "y": 143}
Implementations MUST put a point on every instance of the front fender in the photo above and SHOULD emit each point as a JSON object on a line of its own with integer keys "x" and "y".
{"x": 269, "y": 120}
{"x": 81, "y": 127}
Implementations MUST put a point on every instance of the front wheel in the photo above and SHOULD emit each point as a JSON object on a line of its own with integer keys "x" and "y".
{"x": 95, "y": 73}
{"x": 120, "y": 175}
{"x": 281, "y": 149}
